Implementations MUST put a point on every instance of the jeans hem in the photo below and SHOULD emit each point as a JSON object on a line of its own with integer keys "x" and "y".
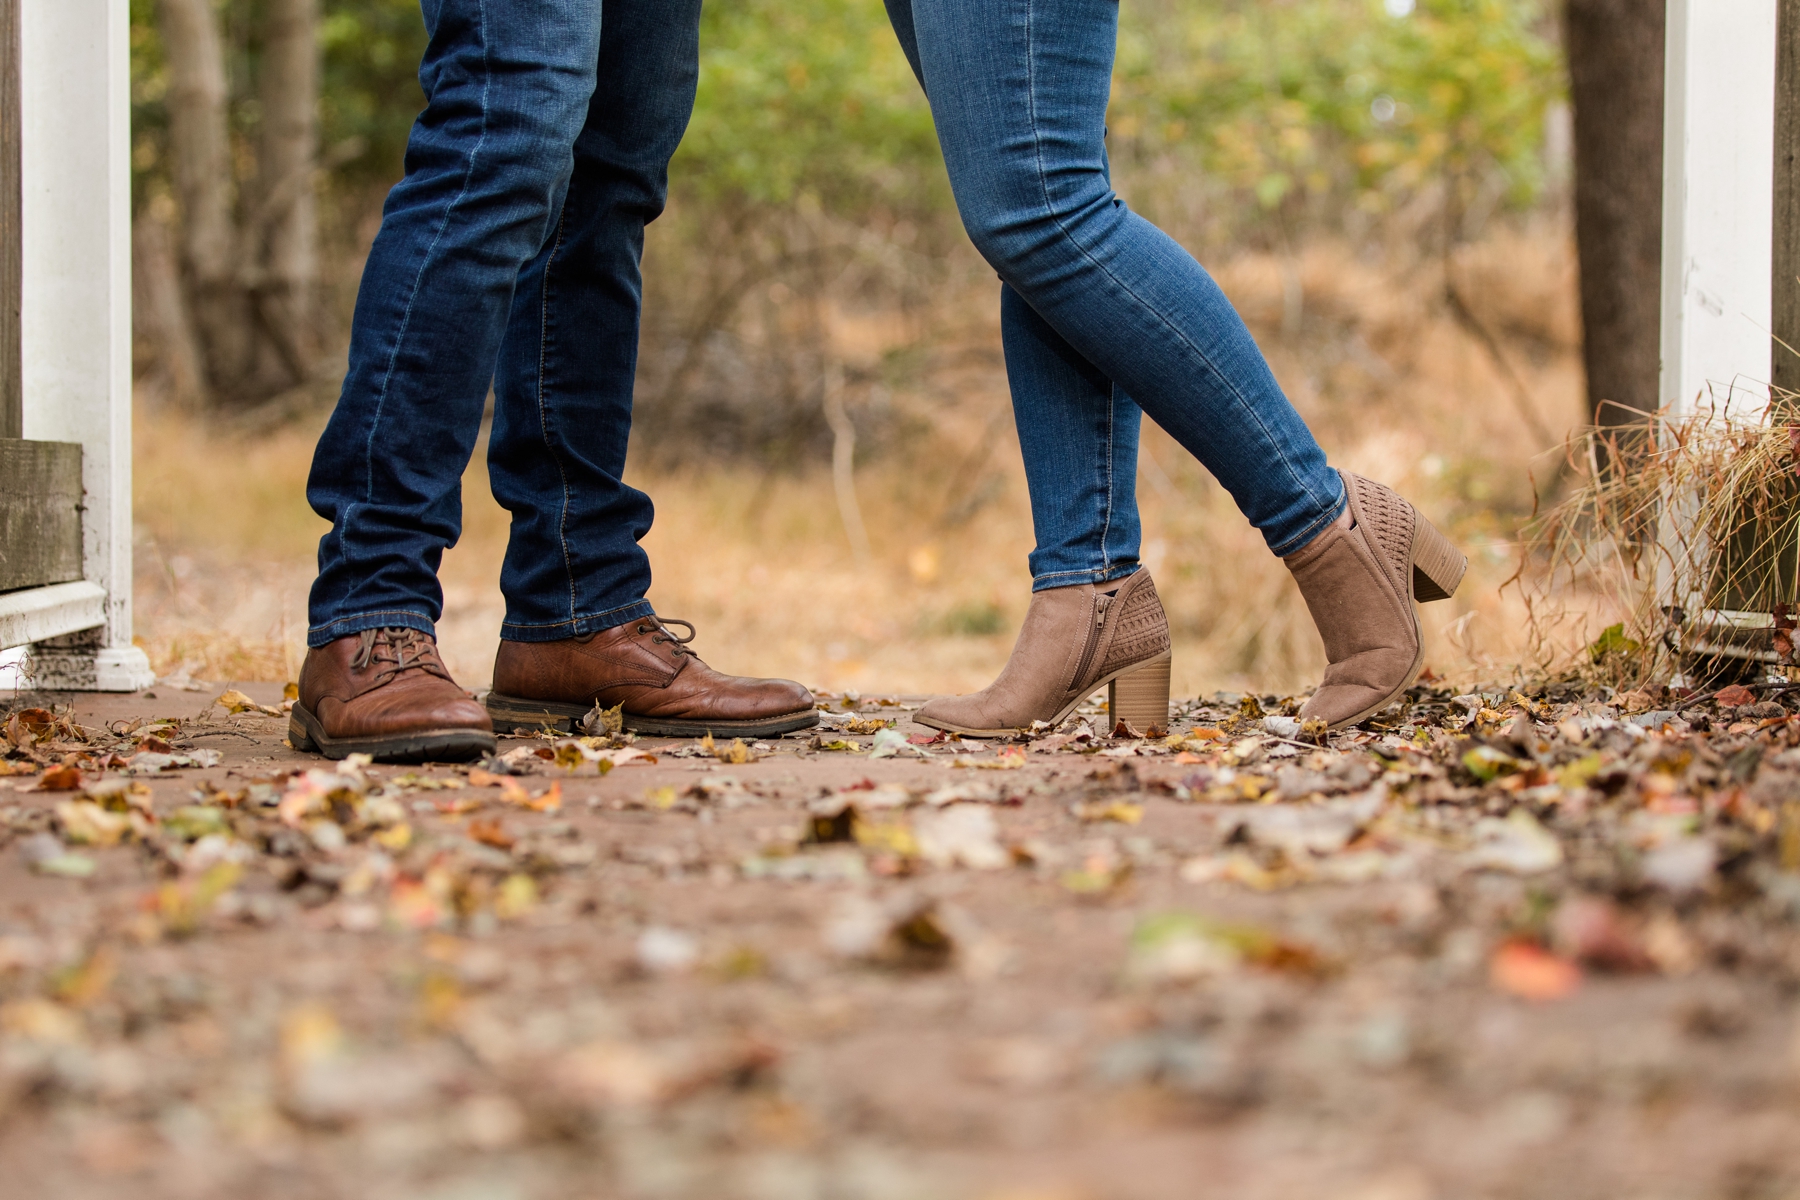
{"x": 1099, "y": 575}
{"x": 558, "y": 631}
{"x": 387, "y": 618}
{"x": 1304, "y": 538}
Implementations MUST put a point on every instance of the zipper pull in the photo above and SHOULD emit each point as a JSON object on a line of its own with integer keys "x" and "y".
{"x": 1100, "y": 604}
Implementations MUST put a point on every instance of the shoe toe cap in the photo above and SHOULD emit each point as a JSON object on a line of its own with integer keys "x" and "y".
{"x": 952, "y": 712}
{"x": 777, "y": 697}
{"x": 462, "y": 713}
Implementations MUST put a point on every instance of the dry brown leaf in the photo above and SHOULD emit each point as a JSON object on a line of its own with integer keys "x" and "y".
{"x": 490, "y": 832}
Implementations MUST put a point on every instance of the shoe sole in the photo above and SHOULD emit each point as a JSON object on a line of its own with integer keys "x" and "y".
{"x": 308, "y": 736}
{"x": 511, "y": 712}
{"x": 1137, "y": 693}
{"x": 1438, "y": 568}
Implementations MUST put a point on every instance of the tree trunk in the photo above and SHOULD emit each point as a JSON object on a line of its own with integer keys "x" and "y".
{"x": 1615, "y": 50}
{"x": 158, "y": 313}
{"x": 201, "y": 169}
{"x": 286, "y": 218}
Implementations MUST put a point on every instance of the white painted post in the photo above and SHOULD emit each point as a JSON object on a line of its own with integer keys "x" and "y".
{"x": 1718, "y": 181}
{"x": 76, "y": 306}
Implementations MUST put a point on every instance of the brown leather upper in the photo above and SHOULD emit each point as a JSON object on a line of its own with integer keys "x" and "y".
{"x": 383, "y": 683}
{"x": 643, "y": 666}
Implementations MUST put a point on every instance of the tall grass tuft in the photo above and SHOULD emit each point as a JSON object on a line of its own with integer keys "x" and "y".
{"x": 1662, "y": 532}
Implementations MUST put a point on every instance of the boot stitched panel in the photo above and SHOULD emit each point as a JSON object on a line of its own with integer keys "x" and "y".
{"x": 1390, "y": 526}
{"x": 1143, "y": 629}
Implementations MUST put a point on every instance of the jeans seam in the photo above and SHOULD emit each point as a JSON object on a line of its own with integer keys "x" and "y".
{"x": 1304, "y": 538}
{"x": 1037, "y": 146}
{"x": 562, "y": 521}
{"x": 1112, "y": 399}
{"x": 573, "y": 620}
{"x": 1085, "y": 575}
{"x": 363, "y": 616}
{"x": 412, "y": 296}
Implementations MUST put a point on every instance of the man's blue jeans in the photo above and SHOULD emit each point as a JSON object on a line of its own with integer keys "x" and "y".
{"x": 508, "y": 254}
{"x": 1100, "y": 311}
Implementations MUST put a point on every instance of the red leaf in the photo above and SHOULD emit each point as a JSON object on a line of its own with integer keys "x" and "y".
{"x": 1530, "y": 972}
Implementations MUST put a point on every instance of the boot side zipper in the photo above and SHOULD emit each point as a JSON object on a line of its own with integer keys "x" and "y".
{"x": 1101, "y": 603}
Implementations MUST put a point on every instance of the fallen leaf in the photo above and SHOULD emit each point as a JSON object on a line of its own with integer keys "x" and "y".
{"x": 736, "y": 754}
{"x": 41, "y": 1021}
{"x": 87, "y": 824}
{"x": 907, "y": 933}
{"x": 1487, "y": 764}
{"x": 1527, "y": 970}
{"x": 550, "y": 800}
{"x": 180, "y": 907}
{"x": 961, "y": 835}
{"x": 1518, "y": 844}
{"x": 234, "y": 702}
{"x": 1593, "y": 930}
{"x": 65, "y": 778}
{"x": 84, "y": 983}
{"x": 888, "y": 743}
{"x": 518, "y": 895}
{"x": 1734, "y": 696}
{"x": 1121, "y": 811}
{"x": 604, "y": 721}
{"x": 491, "y": 832}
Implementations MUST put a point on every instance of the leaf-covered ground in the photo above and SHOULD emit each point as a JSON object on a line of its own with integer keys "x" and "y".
{"x": 1496, "y": 945}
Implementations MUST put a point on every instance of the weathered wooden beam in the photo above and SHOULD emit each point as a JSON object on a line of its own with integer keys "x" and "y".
{"x": 12, "y": 406}
{"x": 38, "y": 614}
{"x": 1785, "y": 267}
{"x": 40, "y": 513}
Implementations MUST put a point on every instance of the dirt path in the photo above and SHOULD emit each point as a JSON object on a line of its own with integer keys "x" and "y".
{"x": 1083, "y": 969}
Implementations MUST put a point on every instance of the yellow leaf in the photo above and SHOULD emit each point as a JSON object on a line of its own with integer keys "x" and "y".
{"x": 518, "y": 896}
{"x": 736, "y": 754}
{"x": 310, "y": 1034}
{"x": 1118, "y": 810}
{"x": 235, "y": 702}
{"x": 896, "y": 837}
{"x": 86, "y": 823}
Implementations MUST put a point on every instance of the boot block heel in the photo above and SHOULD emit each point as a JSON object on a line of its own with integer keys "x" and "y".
{"x": 1437, "y": 565}
{"x": 1140, "y": 697}
{"x": 298, "y": 738}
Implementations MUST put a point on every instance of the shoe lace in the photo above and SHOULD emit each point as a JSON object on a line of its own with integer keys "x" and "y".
{"x": 395, "y": 651}
{"x": 661, "y": 624}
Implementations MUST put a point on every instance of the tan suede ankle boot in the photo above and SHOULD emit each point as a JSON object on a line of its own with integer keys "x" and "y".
{"x": 1074, "y": 640}
{"x": 1360, "y": 585}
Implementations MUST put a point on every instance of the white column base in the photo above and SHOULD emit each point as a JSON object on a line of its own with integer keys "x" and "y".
{"x": 66, "y": 666}
{"x": 125, "y": 669}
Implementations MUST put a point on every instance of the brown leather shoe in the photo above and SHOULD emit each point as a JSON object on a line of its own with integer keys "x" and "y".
{"x": 664, "y": 687}
{"x": 386, "y": 692}
{"x": 1075, "y": 640}
{"x": 1361, "y": 584}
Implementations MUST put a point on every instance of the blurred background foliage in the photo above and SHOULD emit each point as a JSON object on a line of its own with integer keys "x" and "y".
{"x": 1384, "y": 188}
{"x": 810, "y": 188}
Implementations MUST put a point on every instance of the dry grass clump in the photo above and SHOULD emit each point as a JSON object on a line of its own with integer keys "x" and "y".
{"x": 1662, "y": 525}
